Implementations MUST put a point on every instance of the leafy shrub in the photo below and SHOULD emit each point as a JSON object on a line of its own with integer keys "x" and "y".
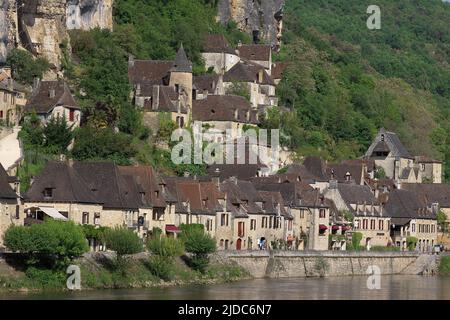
{"x": 24, "y": 67}
{"x": 62, "y": 239}
{"x": 411, "y": 243}
{"x": 199, "y": 243}
{"x": 161, "y": 266}
{"x": 123, "y": 241}
{"x": 356, "y": 239}
{"x": 166, "y": 247}
{"x": 444, "y": 266}
{"x": 46, "y": 278}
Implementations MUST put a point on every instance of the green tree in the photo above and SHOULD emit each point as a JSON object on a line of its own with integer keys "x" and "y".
{"x": 123, "y": 241}
{"x": 59, "y": 240}
{"x": 57, "y": 135}
{"x": 25, "y": 67}
{"x": 411, "y": 243}
{"x": 199, "y": 243}
{"x": 442, "y": 221}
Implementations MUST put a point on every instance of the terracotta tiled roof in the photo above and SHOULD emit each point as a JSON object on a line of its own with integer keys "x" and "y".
{"x": 222, "y": 108}
{"x": 247, "y": 72}
{"x": 430, "y": 192}
{"x": 66, "y": 185}
{"x": 278, "y": 70}
{"x": 5, "y": 189}
{"x": 42, "y": 101}
{"x": 257, "y": 52}
{"x": 406, "y": 205}
{"x": 217, "y": 43}
{"x": 149, "y": 71}
{"x": 206, "y": 82}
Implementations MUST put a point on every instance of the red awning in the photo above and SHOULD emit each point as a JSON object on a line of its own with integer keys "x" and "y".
{"x": 345, "y": 228}
{"x": 335, "y": 227}
{"x": 172, "y": 228}
{"x": 322, "y": 227}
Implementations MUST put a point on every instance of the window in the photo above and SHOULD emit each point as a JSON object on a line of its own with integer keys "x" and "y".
{"x": 85, "y": 218}
{"x": 302, "y": 214}
{"x": 1, "y": 114}
{"x": 17, "y": 212}
{"x": 264, "y": 222}
{"x": 209, "y": 225}
{"x": 241, "y": 226}
{"x": 422, "y": 166}
{"x": 157, "y": 215}
{"x": 221, "y": 243}
{"x": 290, "y": 225}
{"x": 270, "y": 223}
{"x": 224, "y": 220}
{"x": 381, "y": 225}
{"x": 71, "y": 115}
{"x": 365, "y": 224}
{"x": 97, "y": 218}
{"x": 48, "y": 193}
{"x": 157, "y": 193}
{"x": 372, "y": 224}
{"x": 413, "y": 227}
{"x": 322, "y": 213}
{"x": 253, "y": 224}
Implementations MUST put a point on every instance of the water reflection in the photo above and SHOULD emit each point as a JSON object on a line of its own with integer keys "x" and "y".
{"x": 347, "y": 288}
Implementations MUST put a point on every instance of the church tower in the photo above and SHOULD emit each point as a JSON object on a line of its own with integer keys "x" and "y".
{"x": 181, "y": 77}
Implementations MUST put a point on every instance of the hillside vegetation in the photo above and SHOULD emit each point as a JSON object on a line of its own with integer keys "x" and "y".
{"x": 347, "y": 81}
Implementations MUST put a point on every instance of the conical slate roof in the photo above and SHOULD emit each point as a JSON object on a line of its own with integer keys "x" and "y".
{"x": 181, "y": 63}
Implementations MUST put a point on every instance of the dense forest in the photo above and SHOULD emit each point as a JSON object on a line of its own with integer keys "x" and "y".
{"x": 347, "y": 81}
{"x": 344, "y": 81}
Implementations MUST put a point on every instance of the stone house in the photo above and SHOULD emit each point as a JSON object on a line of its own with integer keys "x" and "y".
{"x": 411, "y": 217}
{"x": 53, "y": 99}
{"x": 224, "y": 112}
{"x": 309, "y": 209}
{"x": 278, "y": 71}
{"x": 255, "y": 216}
{"x": 260, "y": 54}
{"x": 254, "y": 77}
{"x": 389, "y": 153}
{"x": 368, "y": 215}
{"x": 162, "y": 86}
{"x": 218, "y": 53}
{"x": 99, "y": 194}
{"x": 435, "y": 195}
{"x": 10, "y": 96}
{"x": 10, "y": 203}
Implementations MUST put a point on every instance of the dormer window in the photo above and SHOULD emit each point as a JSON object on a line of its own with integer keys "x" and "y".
{"x": 157, "y": 193}
{"x": 348, "y": 176}
{"x": 142, "y": 196}
{"x": 48, "y": 193}
{"x": 382, "y": 137}
{"x": 236, "y": 114}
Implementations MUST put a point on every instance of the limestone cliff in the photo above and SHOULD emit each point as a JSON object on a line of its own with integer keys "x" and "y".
{"x": 3, "y": 29}
{"x": 40, "y": 26}
{"x": 89, "y": 14}
{"x": 263, "y": 19}
{"x": 42, "y": 29}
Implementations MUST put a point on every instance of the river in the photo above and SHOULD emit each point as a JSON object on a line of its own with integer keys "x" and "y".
{"x": 393, "y": 287}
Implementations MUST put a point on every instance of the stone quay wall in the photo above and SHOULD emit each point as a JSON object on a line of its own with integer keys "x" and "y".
{"x": 282, "y": 264}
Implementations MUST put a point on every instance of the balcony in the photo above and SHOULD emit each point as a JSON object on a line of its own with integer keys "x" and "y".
{"x": 134, "y": 224}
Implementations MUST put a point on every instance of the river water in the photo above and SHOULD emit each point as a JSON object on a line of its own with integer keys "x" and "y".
{"x": 393, "y": 287}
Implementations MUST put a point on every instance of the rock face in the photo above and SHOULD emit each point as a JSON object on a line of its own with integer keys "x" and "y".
{"x": 3, "y": 29}
{"x": 263, "y": 19}
{"x": 40, "y": 26}
{"x": 89, "y": 14}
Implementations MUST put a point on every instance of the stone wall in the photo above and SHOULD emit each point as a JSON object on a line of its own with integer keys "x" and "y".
{"x": 262, "y": 17}
{"x": 261, "y": 264}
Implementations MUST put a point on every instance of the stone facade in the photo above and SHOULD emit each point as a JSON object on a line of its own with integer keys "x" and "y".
{"x": 10, "y": 214}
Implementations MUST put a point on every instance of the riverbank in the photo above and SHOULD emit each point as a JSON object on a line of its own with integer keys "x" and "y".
{"x": 97, "y": 271}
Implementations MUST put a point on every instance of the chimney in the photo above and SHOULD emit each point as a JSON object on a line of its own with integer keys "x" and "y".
{"x": 130, "y": 61}
{"x": 7, "y": 70}
{"x": 36, "y": 83}
{"x": 155, "y": 96}
{"x": 138, "y": 89}
{"x": 260, "y": 76}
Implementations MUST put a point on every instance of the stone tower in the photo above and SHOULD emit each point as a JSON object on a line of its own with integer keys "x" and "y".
{"x": 181, "y": 77}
